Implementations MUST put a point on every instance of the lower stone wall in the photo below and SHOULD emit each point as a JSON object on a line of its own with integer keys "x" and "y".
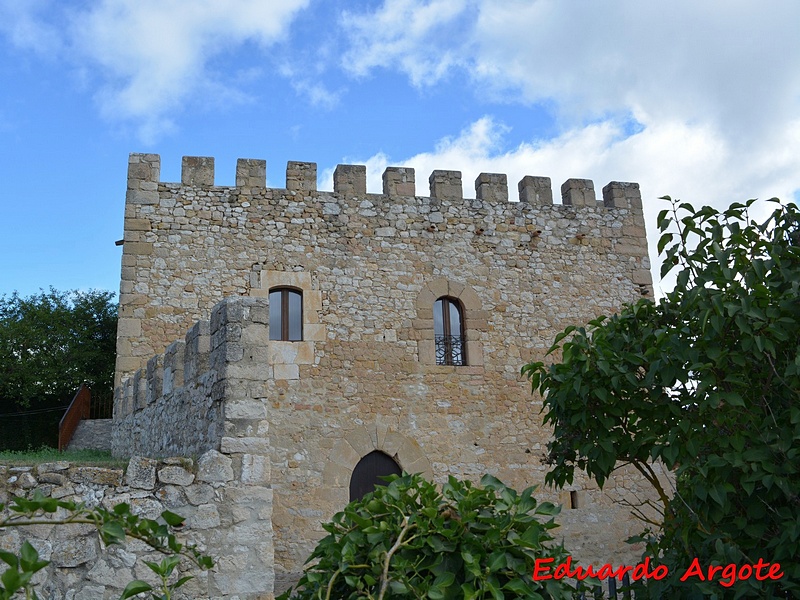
{"x": 298, "y": 437}
{"x": 173, "y": 406}
{"x": 92, "y": 434}
{"x": 225, "y": 517}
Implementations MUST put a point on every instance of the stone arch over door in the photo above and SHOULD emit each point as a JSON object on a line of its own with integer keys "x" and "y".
{"x": 365, "y": 439}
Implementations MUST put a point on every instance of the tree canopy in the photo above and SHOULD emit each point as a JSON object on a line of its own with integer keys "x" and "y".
{"x": 706, "y": 382}
{"x": 53, "y": 341}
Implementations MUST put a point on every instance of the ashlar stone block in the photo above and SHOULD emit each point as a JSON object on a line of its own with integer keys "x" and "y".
{"x": 398, "y": 181}
{"x": 491, "y": 187}
{"x": 446, "y": 185}
{"x": 251, "y": 173}
{"x": 350, "y": 180}
{"x": 197, "y": 170}
{"x": 213, "y": 467}
{"x": 578, "y": 192}
{"x": 301, "y": 176}
{"x": 535, "y": 190}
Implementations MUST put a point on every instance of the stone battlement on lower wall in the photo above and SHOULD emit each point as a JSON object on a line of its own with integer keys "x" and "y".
{"x": 213, "y": 494}
{"x": 174, "y": 406}
{"x": 144, "y": 174}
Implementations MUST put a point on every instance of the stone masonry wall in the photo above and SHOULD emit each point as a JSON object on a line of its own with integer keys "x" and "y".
{"x": 173, "y": 406}
{"x": 300, "y": 439}
{"x": 188, "y": 245}
{"x": 300, "y": 415}
{"x": 222, "y": 512}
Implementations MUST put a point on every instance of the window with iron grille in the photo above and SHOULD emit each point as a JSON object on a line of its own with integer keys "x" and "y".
{"x": 448, "y": 330}
{"x": 286, "y": 315}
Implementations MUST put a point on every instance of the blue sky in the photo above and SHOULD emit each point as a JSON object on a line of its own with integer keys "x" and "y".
{"x": 699, "y": 100}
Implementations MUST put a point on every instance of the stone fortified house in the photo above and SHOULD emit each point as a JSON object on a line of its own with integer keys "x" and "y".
{"x": 326, "y": 327}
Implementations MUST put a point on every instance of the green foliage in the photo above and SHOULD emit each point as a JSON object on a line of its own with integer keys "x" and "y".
{"x": 113, "y": 526}
{"x": 52, "y": 342}
{"x": 409, "y": 540}
{"x": 164, "y": 570}
{"x": 707, "y": 381}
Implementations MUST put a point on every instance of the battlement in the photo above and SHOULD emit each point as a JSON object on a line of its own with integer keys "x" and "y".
{"x": 187, "y": 245}
{"x": 173, "y": 405}
{"x": 144, "y": 173}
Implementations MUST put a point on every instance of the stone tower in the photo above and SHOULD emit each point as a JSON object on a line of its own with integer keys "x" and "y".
{"x": 326, "y": 326}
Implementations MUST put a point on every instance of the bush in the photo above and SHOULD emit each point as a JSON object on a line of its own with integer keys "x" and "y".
{"x": 408, "y": 539}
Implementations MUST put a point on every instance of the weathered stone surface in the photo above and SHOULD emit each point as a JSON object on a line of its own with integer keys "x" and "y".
{"x": 171, "y": 497}
{"x": 280, "y": 426}
{"x": 149, "y": 508}
{"x": 80, "y": 567}
{"x": 26, "y": 481}
{"x": 205, "y": 517}
{"x": 98, "y": 475}
{"x": 255, "y": 469}
{"x": 245, "y": 444}
{"x": 56, "y": 478}
{"x": 199, "y": 493}
{"x": 52, "y": 467}
{"x": 71, "y": 552}
{"x": 175, "y": 475}
{"x": 214, "y": 467}
{"x": 141, "y": 473}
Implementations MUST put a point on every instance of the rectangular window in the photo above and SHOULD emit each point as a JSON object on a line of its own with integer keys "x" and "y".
{"x": 285, "y": 315}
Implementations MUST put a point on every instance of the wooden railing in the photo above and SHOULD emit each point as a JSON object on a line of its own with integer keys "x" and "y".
{"x": 78, "y": 409}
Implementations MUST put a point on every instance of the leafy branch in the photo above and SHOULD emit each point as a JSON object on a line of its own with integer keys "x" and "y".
{"x": 705, "y": 382}
{"x": 113, "y": 526}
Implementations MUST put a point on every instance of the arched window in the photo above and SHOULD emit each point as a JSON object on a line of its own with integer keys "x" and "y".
{"x": 368, "y": 473}
{"x": 285, "y": 314}
{"x": 448, "y": 331}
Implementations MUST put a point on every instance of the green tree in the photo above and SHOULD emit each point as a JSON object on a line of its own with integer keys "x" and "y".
{"x": 410, "y": 540}
{"x": 707, "y": 382}
{"x": 52, "y": 342}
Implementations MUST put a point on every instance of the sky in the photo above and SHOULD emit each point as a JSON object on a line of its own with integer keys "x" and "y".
{"x": 697, "y": 100}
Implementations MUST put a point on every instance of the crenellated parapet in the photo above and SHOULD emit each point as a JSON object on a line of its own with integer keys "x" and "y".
{"x": 175, "y": 405}
{"x": 351, "y": 180}
{"x": 189, "y": 244}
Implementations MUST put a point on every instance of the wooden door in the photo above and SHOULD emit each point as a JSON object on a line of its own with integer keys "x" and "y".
{"x": 368, "y": 472}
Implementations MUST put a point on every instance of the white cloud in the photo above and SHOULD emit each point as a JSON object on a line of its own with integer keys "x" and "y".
{"x": 306, "y": 82}
{"x": 155, "y": 53}
{"x": 728, "y": 63}
{"x": 713, "y": 88}
{"x": 731, "y": 64}
{"x": 22, "y": 23}
{"x": 152, "y": 56}
{"x": 420, "y": 38}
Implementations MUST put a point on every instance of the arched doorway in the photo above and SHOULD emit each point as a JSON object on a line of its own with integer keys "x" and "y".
{"x": 368, "y": 471}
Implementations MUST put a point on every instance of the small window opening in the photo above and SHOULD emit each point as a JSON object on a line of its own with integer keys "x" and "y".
{"x": 286, "y": 315}
{"x": 573, "y": 499}
{"x": 448, "y": 330}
